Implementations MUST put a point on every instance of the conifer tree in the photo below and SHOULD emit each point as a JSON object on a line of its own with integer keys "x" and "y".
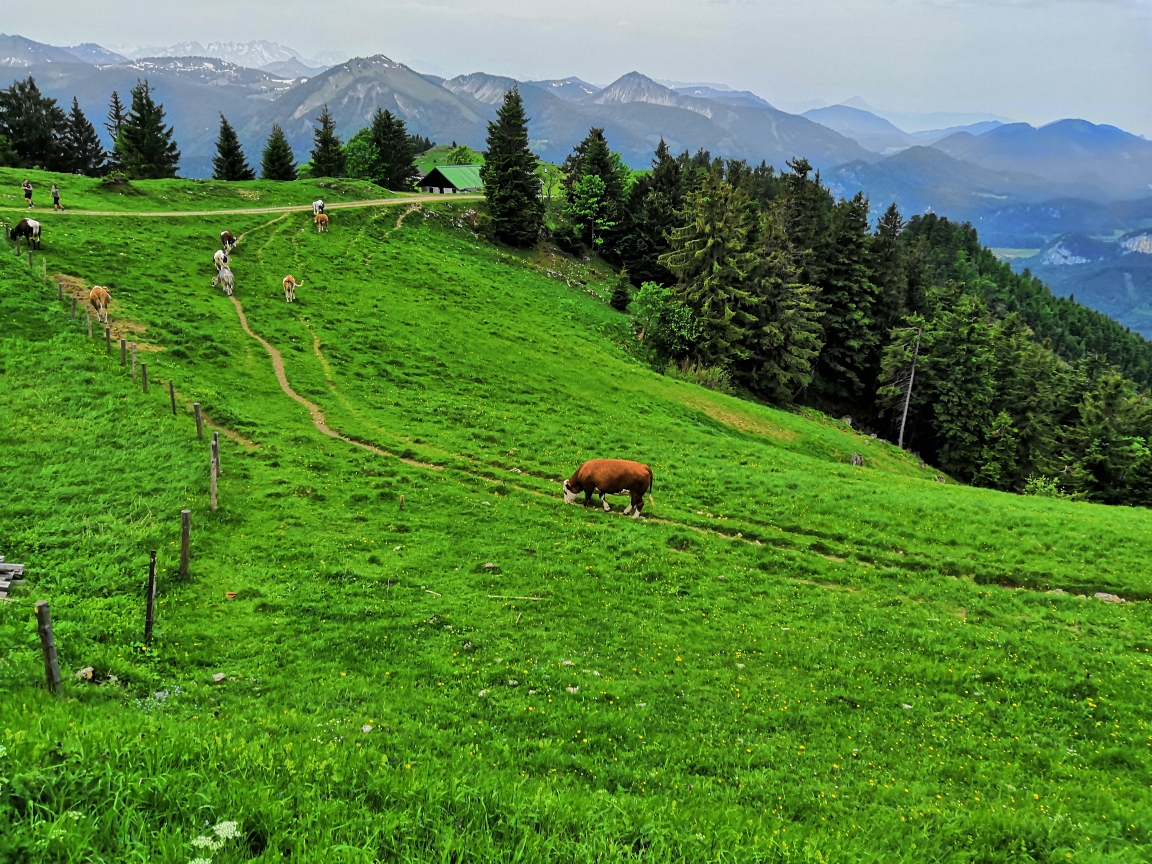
{"x": 33, "y": 124}
{"x": 278, "y": 161}
{"x": 847, "y": 299}
{"x": 713, "y": 262}
{"x": 652, "y": 211}
{"x": 397, "y": 168}
{"x": 116, "y": 115}
{"x": 509, "y": 174}
{"x": 229, "y": 162}
{"x": 83, "y": 151}
{"x": 622, "y": 292}
{"x": 327, "y": 149}
{"x": 889, "y": 275}
{"x": 147, "y": 148}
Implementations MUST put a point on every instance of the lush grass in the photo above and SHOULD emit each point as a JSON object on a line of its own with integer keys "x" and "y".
{"x": 740, "y": 698}
{"x": 141, "y": 196}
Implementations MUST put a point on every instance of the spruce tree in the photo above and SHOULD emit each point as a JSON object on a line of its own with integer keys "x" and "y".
{"x": 509, "y": 174}
{"x": 278, "y": 162}
{"x": 397, "y": 171}
{"x": 327, "y": 150}
{"x": 886, "y": 264}
{"x": 229, "y": 162}
{"x": 146, "y": 146}
{"x": 651, "y": 212}
{"x": 847, "y": 299}
{"x": 83, "y": 152}
{"x": 713, "y": 262}
{"x": 622, "y": 292}
{"x": 116, "y": 115}
{"x": 33, "y": 124}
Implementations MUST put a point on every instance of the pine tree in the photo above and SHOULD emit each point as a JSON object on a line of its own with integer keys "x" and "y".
{"x": 397, "y": 168}
{"x": 83, "y": 152}
{"x": 511, "y": 187}
{"x": 847, "y": 299}
{"x": 146, "y": 146}
{"x": 229, "y": 163}
{"x": 592, "y": 157}
{"x": 33, "y": 124}
{"x": 327, "y": 150}
{"x": 652, "y": 211}
{"x": 622, "y": 292}
{"x": 713, "y": 263}
{"x": 889, "y": 274}
{"x": 116, "y": 115}
{"x": 278, "y": 162}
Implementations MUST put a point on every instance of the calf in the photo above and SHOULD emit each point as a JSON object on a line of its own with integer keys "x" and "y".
{"x": 611, "y": 477}
{"x": 228, "y": 241}
{"x": 100, "y": 300}
{"x": 321, "y": 223}
{"x": 290, "y": 286}
{"x": 317, "y": 207}
{"x": 29, "y": 229}
{"x": 225, "y": 278}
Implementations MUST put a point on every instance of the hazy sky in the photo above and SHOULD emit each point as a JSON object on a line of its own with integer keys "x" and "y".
{"x": 1032, "y": 60}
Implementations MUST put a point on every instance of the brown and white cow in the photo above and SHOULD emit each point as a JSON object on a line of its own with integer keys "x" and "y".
{"x": 29, "y": 229}
{"x": 321, "y": 223}
{"x": 220, "y": 259}
{"x": 290, "y": 286}
{"x": 228, "y": 241}
{"x": 100, "y": 300}
{"x": 611, "y": 477}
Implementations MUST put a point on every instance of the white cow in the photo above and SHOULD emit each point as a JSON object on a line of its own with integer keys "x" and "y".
{"x": 225, "y": 278}
{"x": 317, "y": 207}
{"x": 220, "y": 259}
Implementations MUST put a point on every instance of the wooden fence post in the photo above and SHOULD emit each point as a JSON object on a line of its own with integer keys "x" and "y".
{"x": 123, "y": 352}
{"x": 59, "y": 290}
{"x": 72, "y": 314}
{"x": 89, "y": 317}
{"x": 199, "y": 422}
{"x": 185, "y": 541}
{"x": 172, "y": 393}
{"x": 144, "y": 376}
{"x": 216, "y": 451}
{"x": 133, "y": 361}
{"x": 150, "y": 609}
{"x": 48, "y": 646}
{"x": 213, "y": 471}
{"x": 30, "y": 265}
{"x": 43, "y": 269}
{"x": 107, "y": 340}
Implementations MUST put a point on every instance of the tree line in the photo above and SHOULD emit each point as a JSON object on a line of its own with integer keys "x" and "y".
{"x": 761, "y": 281}
{"x": 36, "y": 133}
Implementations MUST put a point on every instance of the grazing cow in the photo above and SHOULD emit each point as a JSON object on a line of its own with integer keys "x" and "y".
{"x": 321, "y": 223}
{"x": 100, "y": 300}
{"x": 317, "y": 207}
{"x": 220, "y": 259}
{"x": 611, "y": 477}
{"x": 29, "y": 229}
{"x": 228, "y": 241}
{"x": 290, "y": 286}
{"x": 225, "y": 278}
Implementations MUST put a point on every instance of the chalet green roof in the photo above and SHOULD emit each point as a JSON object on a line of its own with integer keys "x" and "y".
{"x": 460, "y": 176}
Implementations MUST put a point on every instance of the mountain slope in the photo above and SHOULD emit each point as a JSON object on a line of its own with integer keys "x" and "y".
{"x": 18, "y": 52}
{"x": 569, "y": 89}
{"x": 95, "y": 54}
{"x": 1096, "y": 162}
{"x": 866, "y": 129}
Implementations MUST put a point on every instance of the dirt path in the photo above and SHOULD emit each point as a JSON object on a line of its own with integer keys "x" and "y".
{"x": 304, "y": 208}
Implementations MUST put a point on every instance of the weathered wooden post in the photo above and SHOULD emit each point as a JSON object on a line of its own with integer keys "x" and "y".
{"x": 59, "y": 290}
{"x": 107, "y": 340}
{"x": 73, "y": 312}
{"x": 48, "y": 646}
{"x": 123, "y": 352}
{"x": 172, "y": 393}
{"x": 43, "y": 269}
{"x": 185, "y": 541}
{"x": 216, "y": 452}
{"x": 213, "y": 471}
{"x": 89, "y": 317}
{"x": 150, "y": 609}
{"x": 30, "y": 265}
{"x": 144, "y": 376}
{"x": 199, "y": 422}
{"x": 133, "y": 361}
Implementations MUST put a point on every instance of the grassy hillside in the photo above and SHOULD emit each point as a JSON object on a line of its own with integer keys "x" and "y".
{"x": 790, "y": 659}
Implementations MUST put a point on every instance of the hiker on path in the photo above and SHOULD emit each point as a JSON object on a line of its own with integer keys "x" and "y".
{"x": 56, "y": 205}
{"x": 27, "y": 187}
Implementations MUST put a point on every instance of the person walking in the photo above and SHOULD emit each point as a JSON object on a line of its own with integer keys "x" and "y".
{"x": 56, "y": 205}
{"x": 27, "y": 187}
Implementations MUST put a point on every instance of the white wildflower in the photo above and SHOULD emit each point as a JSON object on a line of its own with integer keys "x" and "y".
{"x": 203, "y": 842}
{"x": 227, "y": 830}
{"x": 200, "y": 861}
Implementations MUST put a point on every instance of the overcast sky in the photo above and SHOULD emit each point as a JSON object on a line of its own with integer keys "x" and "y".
{"x": 1032, "y": 60}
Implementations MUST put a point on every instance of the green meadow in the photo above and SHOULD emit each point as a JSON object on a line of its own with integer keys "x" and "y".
{"x": 428, "y": 656}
